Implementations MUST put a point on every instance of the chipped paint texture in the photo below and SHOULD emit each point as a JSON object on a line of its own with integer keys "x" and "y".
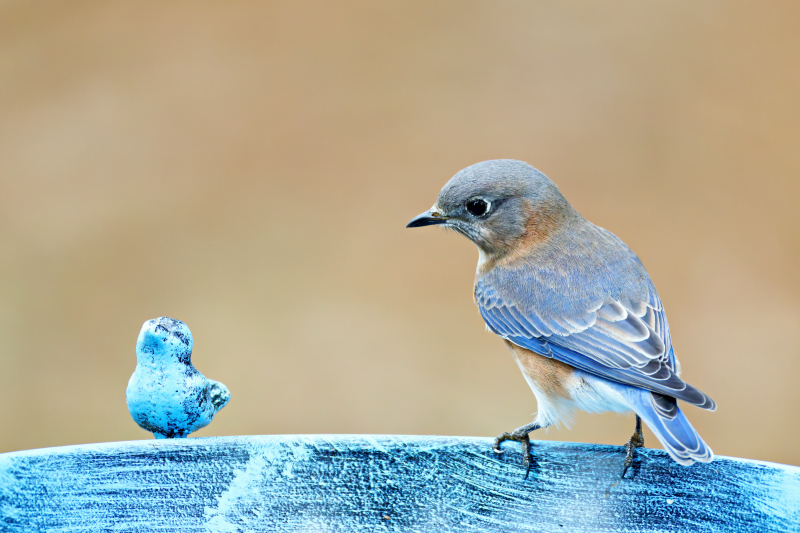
{"x": 166, "y": 394}
{"x": 383, "y": 483}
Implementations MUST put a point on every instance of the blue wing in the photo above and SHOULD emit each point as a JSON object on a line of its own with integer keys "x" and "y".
{"x": 624, "y": 340}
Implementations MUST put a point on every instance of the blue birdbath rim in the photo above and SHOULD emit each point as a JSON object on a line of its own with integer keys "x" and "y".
{"x": 299, "y": 483}
{"x": 378, "y": 440}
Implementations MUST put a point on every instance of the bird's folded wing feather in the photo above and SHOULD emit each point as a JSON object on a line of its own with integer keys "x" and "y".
{"x": 623, "y": 340}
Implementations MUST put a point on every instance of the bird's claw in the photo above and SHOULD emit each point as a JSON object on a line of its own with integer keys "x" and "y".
{"x": 522, "y": 437}
{"x": 498, "y": 440}
{"x": 636, "y": 441}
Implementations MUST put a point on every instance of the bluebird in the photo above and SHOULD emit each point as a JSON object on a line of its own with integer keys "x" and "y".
{"x": 166, "y": 394}
{"x": 574, "y": 305}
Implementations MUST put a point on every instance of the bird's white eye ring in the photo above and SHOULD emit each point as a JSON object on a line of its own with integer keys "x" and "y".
{"x": 478, "y": 207}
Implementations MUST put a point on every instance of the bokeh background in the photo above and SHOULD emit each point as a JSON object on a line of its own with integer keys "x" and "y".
{"x": 249, "y": 167}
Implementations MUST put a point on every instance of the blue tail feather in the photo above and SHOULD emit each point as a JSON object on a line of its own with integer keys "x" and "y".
{"x": 679, "y": 438}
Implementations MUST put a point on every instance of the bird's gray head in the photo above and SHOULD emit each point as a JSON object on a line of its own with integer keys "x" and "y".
{"x": 499, "y": 205}
{"x": 165, "y": 337}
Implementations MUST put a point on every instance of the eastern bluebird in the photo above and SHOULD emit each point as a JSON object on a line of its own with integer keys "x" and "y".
{"x": 166, "y": 394}
{"x": 574, "y": 305}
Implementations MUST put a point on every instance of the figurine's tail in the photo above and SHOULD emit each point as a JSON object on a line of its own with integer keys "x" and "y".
{"x": 220, "y": 395}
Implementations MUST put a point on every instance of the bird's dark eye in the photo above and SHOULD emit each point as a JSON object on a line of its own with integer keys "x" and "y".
{"x": 477, "y": 207}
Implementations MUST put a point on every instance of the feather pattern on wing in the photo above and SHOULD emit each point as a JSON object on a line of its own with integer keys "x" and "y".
{"x": 598, "y": 312}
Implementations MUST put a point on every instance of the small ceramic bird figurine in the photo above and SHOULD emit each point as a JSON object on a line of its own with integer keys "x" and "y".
{"x": 166, "y": 394}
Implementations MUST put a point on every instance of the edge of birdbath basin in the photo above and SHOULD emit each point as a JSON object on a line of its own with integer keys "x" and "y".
{"x": 384, "y": 483}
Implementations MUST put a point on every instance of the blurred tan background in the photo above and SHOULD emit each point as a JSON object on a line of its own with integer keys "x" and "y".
{"x": 249, "y": 167}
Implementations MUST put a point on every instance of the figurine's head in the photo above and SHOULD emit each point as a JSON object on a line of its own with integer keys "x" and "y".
{"x": 162, "y": 338}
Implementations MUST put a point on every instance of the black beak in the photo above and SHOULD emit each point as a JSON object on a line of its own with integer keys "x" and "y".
{"x": 428, "y": 218}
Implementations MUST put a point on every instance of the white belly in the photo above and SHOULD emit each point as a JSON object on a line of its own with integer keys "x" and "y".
{"x": 560, "y": 389}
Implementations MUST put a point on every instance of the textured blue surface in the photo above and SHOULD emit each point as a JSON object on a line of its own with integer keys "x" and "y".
{"x": 383, "y": 483}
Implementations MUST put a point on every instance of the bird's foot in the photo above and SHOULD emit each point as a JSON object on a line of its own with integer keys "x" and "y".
{"x": 520, "y": 435}
{"x": 636, "y": 441}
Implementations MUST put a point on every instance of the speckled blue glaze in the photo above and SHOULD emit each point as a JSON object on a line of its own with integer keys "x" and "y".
{"x": 314, "y": 483}
{"x": 166, "y": 394}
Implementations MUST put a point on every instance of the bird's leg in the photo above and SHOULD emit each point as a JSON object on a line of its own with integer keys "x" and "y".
{"x": 636, "y": 441}
{"x": 520, "y": 435}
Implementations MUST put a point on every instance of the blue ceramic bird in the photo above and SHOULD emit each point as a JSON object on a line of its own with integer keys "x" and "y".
{"x": 166, "y": 394}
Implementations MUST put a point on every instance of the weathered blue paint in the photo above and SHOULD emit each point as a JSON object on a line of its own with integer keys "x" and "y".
{"x": 384, "y": 483}
{"x": 166, "y": 394}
